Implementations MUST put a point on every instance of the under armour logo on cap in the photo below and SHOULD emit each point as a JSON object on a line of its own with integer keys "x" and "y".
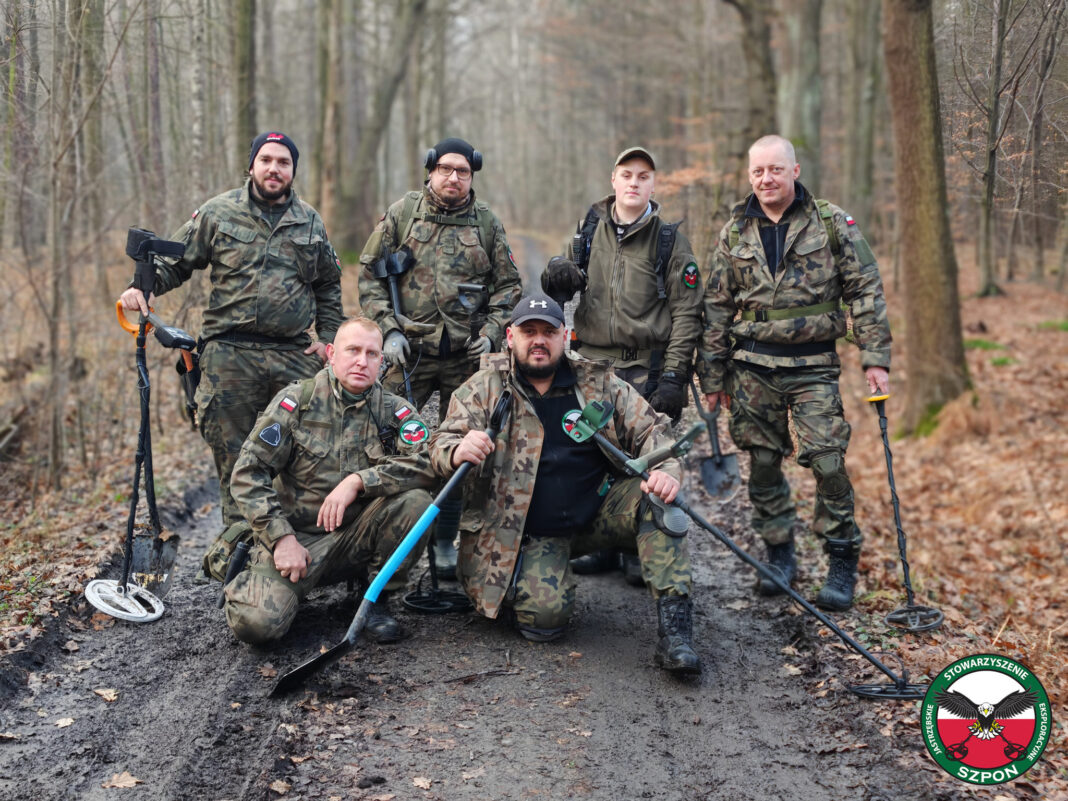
{"x": 537, "y": 306}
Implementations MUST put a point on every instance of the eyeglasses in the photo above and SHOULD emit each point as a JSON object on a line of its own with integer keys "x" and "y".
{"x": 444, "y": 170}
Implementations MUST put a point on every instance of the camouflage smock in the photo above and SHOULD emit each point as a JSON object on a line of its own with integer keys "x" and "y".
{"x": 315, "y": 440}
{"x": 620, "y": 307}
{"x": 740, "y": 280}
{"x": 274, "y": 283}
{"x": 445, "y": 255}
{"x": 497, "y": 494}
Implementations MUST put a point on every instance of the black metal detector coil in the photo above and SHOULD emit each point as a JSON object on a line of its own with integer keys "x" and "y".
{"x": 912, "y": 616}
{"x": 435, "y": 601}
{"x": 897, "y": 690}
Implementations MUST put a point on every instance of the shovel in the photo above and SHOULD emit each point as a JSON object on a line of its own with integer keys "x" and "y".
{"x": 295, "y": 677}
{"x": 719, "y": 472}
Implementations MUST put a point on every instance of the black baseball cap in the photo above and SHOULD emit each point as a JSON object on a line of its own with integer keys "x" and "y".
{"x": 537, "y": 306}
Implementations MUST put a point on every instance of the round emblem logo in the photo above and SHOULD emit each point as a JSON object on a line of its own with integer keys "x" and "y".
{"x": 413, "y": 432}
{"x": 986, "y": 719}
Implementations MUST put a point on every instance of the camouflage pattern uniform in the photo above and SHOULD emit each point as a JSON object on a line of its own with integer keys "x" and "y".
{"x": 446, "y": 254}
{"x": 309, "y": 438}
{"x": 271, "y": 281}
{"x": 620, "y": 317}
{"x": 786, "y": 366}
{"x": 497, "y": 498}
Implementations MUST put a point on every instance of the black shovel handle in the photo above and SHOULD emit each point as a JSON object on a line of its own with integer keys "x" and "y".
{"x": 710, "y": 419}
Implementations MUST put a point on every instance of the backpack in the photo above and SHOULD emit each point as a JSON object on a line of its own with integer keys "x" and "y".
{"x": 483, "y": 219}
{"x": 665, "y": 243}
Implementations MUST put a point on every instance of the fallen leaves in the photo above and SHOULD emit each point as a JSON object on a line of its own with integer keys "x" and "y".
{"x": 268, "y": 671}
{"x": 108, "y": 695}
{"x": 421, "y": 782}
{"x": 63, "y": 723}
{"x": 121, "y": 780}
{"x": 280, "y": 787}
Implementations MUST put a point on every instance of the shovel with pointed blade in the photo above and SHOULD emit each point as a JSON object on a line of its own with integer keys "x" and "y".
{"x": 719, "y": 472}
{"x": 294, "y": 678}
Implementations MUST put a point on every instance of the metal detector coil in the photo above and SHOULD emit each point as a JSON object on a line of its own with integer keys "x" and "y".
{"x": 130, "y": 603}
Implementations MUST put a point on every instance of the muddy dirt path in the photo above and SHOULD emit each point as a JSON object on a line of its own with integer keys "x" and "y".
{"x": 464, "y": 709}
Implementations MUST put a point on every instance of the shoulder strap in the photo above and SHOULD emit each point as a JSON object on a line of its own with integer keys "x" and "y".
{"x": 583, "y": 239}
{"x": 307, "y": 387}
{"x": 485, "y": 226}
{"x": 827, "y": 216}
{"x": 665, "y": 243}
{"x": 734, "y": 235}
{"x": 404, "y": 224}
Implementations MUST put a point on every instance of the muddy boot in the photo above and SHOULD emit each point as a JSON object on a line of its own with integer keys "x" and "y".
{"x": 674, "y": 650}
{"x": 444, "y": 536}
{"x": 596, "y": 562}
{"x": 632, "y": 570}
{"x": 781, "y": 560}
{"x": 381, "y": 626}
{"x": 837, "y": 592}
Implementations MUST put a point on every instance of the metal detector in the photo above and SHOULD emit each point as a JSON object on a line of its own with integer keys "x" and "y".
{"x": 586, "y": 424}
{"x": 148, "y": 558}
{"x": 912, "y": 616}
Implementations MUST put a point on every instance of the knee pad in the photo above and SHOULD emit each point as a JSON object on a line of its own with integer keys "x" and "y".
{"x": 831, "y": 478}
{"x": 765, "y": 469}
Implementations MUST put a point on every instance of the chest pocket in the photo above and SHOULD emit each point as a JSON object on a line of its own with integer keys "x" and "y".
{"x": 304, "y": 254}
{"x": 230, "y": 245}
{"x": 474, "y": 254}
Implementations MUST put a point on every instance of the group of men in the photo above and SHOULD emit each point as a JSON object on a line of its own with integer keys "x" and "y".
{"x": 325, "y": 463}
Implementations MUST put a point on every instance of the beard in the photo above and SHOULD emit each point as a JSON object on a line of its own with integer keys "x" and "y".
{"x": 270, "y": 196}
{"x": 538, "y": 371}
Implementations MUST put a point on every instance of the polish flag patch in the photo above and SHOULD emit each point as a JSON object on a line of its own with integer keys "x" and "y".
{"x": 850, "y": 220}
{"x": 403, "y": 412}
{"x": 288, "y": 404}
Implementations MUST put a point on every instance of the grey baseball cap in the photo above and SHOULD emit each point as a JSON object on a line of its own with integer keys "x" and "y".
{"x": 537, "y": 306}
{"x": 635, "y": 152}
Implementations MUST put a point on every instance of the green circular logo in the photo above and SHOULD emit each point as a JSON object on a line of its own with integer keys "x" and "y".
{"x": 986, "y": 719}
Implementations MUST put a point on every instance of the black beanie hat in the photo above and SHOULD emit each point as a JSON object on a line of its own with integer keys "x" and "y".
{"x": 454, "y": 144}
{"x": 273, "y": 136}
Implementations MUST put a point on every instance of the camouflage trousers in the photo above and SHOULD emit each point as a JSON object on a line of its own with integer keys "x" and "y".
{"x": 261, "y": 604}
{"x": 431, "y": 373}
{"x": 237, "y": 384}
{"x": 762, "y": 404}
{"x": 544, "y": 587}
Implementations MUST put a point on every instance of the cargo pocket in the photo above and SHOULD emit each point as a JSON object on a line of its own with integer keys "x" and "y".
{"x": 217, "y": 557}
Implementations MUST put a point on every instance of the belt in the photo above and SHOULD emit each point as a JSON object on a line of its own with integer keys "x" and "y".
{"x": 570, "y": 532}
{"x": 240, "y": 338}
{"x": 764, "y": 315}
{"x": 615, "y": 354}
{"x": 794, "y": 349}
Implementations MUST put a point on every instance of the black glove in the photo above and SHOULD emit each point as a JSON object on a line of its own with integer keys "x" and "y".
{"x": 669, "y": 396}
{"x": 562, "y": 279}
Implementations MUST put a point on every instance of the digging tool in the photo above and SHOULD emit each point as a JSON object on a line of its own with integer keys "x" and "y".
{"x": 296, "y": 677}
{"x": 588, "y": 423}
{"x": 912, "y": 616}
{"x": 147, "y": 556}
{"x": 236, "y": 564}
{"x": 474, "y": 298}
{"x": 719, "y": 472}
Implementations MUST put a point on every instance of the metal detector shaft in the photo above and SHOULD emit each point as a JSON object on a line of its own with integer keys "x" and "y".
{"x": 880, "y": 407}
{"x": 394, "y": 298}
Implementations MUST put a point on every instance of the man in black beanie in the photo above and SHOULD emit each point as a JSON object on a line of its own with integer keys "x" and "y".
{"x": 274, "y": 276}
{"x": 456, "y": 285}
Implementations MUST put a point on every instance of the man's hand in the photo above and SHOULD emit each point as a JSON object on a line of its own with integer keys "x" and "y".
{"x": 669, "y": 396}
{"x": 133, "y": 299}
{"x": 396, "y": 348}
{"x": 291, "y": 559}
{"x": 473, "y": 448}
{"x": 662, "y": 485}
{"x": 878, "y": 380}
{"x": 333, "y": 508}
{"x": 563, "y": 279}
{"x": 713, "y": 399}
{"x": 319, "y": 349}
{"x": 479, "y": 345}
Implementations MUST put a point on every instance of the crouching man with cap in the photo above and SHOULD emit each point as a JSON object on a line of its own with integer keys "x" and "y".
{"x": 539, "y": 496}
{"x": 331, "y": 479}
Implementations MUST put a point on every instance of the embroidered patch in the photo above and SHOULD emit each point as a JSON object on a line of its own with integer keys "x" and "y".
{"x": 689, "y": 275}
{"x": 272, "y": 435}
{"x": 850, "y": 220}
{"x": 195, "y": 213}
{"x": 288, "y": 404}
{"x": 414, "y": 432}
{"x": 403, "y": 412}
{"x": 511, "y": 258}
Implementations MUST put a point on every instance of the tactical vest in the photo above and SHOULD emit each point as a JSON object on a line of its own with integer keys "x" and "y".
{"x": 483, "y": 219}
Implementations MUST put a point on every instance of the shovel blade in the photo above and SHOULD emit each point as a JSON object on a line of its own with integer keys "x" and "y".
{"x": 295, "y": 678}
{"x": 721, "y": 479}
{"x": 152, "y": 564}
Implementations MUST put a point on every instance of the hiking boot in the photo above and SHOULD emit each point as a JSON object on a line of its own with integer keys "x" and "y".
{"x": 632, "y": 570}
{"x": 381, "y": 626}
{"x": 596, "y": 562}
{"x": 781, "y": 560}
{"x": 837, "y": 592}
{"x": 674, "y": 649}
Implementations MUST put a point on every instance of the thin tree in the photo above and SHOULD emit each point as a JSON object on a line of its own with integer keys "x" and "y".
{"x": 800, "y": 86}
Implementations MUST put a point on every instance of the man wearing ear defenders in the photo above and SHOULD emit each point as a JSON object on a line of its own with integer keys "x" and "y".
{"x": 435, "y": 244}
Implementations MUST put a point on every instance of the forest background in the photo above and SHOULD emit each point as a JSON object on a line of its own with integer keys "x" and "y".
{"x": 942, "y": 127}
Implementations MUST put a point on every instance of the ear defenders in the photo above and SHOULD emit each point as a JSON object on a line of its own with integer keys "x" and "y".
{"x": 432, "y": 155}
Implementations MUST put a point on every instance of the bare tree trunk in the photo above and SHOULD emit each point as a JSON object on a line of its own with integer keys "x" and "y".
{"x": 329, "y": 187}
{"x": 760, "y": 77}
{"x": 413, "y": 107}
{"x": 93, "y": 74}
{"x": 863, "y": 70}
{"x": 987, "y": 267}
{"x": 801, "y": 88}
{"x": 154, "y": 117}
{"x": 199, "y": 93}
{"x": 244, "y": 49}
{"x": 936, "y": 368}
{"x": 1046, "y": 60}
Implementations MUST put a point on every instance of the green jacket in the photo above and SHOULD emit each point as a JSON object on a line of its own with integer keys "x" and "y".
{"x": 740, "y": 281}
{"x": 445, "y": 255}
{"x": 620, "y": 307}
{"x": 275, "y": 283}
{"x": 310, "y": 438}
{"x": 497, "y": 496}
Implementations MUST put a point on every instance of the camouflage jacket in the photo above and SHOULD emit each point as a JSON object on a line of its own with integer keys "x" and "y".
{"x": 497, "y": 494}
{"x": 311, "y": 438}
{"x": 620, "y": 307}
{"x": 275, "y": 283}
{"x": 446, "y": 254}
{"x": 739, "y": 280}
